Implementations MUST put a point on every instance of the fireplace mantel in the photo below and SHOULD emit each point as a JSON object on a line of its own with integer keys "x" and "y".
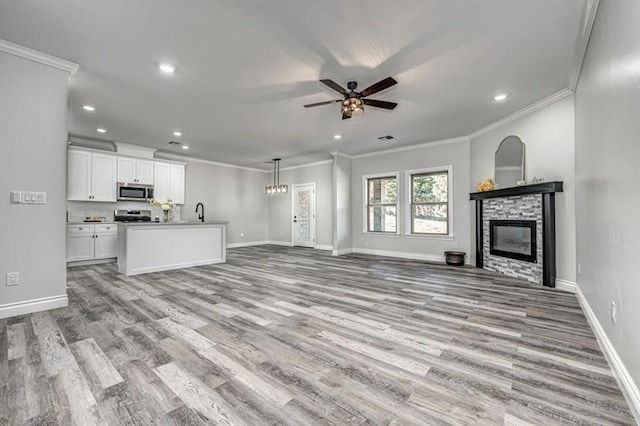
{"x": 548, "y": 219}
{"x": 536, "y": 188}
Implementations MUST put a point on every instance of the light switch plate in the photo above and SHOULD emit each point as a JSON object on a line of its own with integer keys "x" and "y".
{"x": 28, "y": 197}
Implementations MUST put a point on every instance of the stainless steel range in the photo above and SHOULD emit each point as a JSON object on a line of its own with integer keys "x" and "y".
{"x": 132, "y": 216}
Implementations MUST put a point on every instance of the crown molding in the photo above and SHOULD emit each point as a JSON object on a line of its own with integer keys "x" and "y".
{"x": 412, "y": 147}
{"x": 317, "y": 163}
{"x": 170, "y": 156}
{"x": 525, "y": 111}
{"x": 341, "y": 154}
{"x": 34, "y": 55}
{"x": 589, "y": 11}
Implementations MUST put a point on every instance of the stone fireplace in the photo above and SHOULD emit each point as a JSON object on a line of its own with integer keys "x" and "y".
{"x": 515, "y": 231}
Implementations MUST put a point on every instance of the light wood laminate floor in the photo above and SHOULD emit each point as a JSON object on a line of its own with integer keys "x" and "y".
{"x": 295, "y": 336}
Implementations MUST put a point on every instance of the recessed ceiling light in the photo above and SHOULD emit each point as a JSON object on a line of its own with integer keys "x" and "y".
{"x": 88, "y": 108}
{"x": 185, "y": 146}
{"x": 500, "y": 97}
{"x": 101, "y": 130}
{"x": 337, "y": 136}
{"x": 178, "y": 134}
{"x": 168, "y": 68}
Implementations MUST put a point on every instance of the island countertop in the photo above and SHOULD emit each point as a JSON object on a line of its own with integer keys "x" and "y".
{"x": 215, "y": 222}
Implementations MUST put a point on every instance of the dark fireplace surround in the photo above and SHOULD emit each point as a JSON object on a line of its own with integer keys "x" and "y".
{"x": 547, "y": 192}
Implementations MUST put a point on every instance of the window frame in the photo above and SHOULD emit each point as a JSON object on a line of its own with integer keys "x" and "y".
{"x": 409, "y": 201}
{"x": 365, "y": 209}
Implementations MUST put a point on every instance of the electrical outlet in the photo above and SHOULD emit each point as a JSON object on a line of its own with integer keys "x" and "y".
{"x": 614, "y": 312}
{"x": 454, "y": 244}
{"x": 13, "y": 278}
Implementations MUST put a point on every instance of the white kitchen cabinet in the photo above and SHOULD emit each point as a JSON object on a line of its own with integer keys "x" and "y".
{"x": 106, "y": 241}
{"x": 176, "y": 183}
{"x": 91, "y": 176}
{"x": 92, "y": 241}
{"x": 133, "y": 170}
{"x": 169, "y": 182}
{"x": 80, "y": 242}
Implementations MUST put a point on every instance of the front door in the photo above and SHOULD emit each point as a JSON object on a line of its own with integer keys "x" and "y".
{"x": 304, "y": 215}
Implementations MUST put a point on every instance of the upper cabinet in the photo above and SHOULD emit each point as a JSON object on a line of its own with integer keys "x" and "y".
{"x": 133, "y": 170}
{"x": 91, "y": 176}
{"x": 169, "y": 182}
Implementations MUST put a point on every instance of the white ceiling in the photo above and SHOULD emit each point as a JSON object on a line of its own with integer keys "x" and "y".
{"x": 244, "y": 69}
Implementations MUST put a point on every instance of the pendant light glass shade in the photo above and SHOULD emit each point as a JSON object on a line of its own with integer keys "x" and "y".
{"x": 276, "y": 188}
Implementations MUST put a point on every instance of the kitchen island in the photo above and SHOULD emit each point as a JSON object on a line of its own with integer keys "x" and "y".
{"x": 151, "y": 247}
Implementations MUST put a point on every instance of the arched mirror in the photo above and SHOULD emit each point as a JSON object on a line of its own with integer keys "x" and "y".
{"x": 509, "y": 165}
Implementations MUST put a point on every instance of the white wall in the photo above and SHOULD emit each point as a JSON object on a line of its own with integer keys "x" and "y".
{"x": 33, "y": 157}
{"x": 229, "y": 194}
{"x": 342, "y": 204}
{"x": 440, "y": 154}
{"x": 280, "y": 216}
{"x": 549, "y": 138}
{"x": 607, "y": 178}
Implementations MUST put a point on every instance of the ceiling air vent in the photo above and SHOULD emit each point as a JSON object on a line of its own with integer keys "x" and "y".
{"x": 388, "y": 137}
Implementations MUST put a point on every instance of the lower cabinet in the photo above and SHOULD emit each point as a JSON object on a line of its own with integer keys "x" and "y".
{"x": 91, "y": 241}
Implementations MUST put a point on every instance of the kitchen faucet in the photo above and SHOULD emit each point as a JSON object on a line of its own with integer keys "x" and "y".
{"x": 200, "y": 216}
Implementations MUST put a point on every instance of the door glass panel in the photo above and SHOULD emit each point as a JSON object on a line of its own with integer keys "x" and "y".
{"x": 304, "y": 215}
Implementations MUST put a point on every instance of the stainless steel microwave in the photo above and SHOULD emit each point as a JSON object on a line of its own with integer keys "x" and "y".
{"x": 134, "y": 192}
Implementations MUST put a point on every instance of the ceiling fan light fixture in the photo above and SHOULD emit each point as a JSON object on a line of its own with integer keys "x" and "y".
{"x": 352, "y": 106}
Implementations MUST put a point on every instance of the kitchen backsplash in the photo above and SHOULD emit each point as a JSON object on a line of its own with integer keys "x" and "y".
{"x": 78, "y": 210}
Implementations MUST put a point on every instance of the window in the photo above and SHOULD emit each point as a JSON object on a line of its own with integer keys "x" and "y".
{"x": 429, "y": 199}
{"x": 381, "y": 203}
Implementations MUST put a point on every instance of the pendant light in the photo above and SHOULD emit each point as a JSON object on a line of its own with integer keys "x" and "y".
{"x": 276, "y": 188}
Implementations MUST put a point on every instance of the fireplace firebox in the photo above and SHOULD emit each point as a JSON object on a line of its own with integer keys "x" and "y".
{"x": 515, "y": 239}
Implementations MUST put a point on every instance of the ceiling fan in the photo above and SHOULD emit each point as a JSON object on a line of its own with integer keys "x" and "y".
{"x": 353, "y": 102}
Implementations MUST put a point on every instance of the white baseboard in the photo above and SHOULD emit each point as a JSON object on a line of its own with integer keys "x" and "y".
{"x": 402, "y": 254}
{"x": 247, "y": 244}
{"x": 565, "y": 285}
{"x": 91, "y": 262}
{"x": 184, "y": 265}
{"x": 34, "y": 305}
{"x": 281, "y": 243}
{"x": 323, "y": 247}
{"x": 625, "y": 381}
{"x": 343, "y": 251}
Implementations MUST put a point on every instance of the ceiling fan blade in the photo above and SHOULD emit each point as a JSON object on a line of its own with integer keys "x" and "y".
{"x": 335, "y": 86}
{"x": 380, "y": 104}
{"x": 322, "y": 103}
{"x": 345, "y": 115}
{"x": 381, "y": 85}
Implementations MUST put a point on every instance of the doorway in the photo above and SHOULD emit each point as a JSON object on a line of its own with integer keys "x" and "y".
{"x": 304, "y": 214}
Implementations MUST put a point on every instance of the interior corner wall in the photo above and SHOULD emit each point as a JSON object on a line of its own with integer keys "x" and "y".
{"x": 420, "y": 247}
{"x": 280, "y": 214}
{"x": 607, "y": 176}
{"x": 342, "y": 188}
{"x": 33, "y": 157}
{"x": 229, "y": 194}
{"x": 549, "y": 138}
